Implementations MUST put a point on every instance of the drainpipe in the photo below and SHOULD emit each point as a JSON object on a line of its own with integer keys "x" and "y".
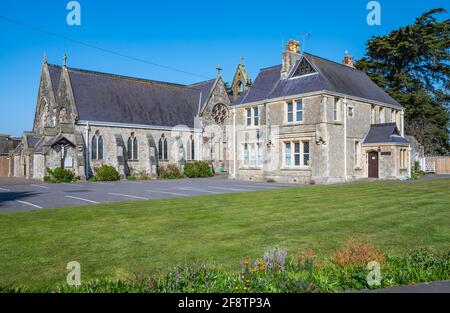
{"x": 409, "y": 161}
{"x": 86, "y": 136}
{"x": 402, "y": 122}
{"x": 345, "y": 138}
{"x": 234, "y": 142}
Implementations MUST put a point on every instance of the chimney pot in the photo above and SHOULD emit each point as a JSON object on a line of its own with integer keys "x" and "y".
{"x": 348, "y": 60}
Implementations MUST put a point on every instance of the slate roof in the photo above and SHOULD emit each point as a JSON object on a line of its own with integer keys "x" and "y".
{"x": 384, "y": 133}
{"x": 120, "y": 99}
{"x": 331, "y": 76}
{"x": 32, "y": 140}
{"x": 205, "y": 88}
{"x": 55, "y": 74}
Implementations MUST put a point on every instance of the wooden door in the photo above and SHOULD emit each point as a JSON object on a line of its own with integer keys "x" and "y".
{"x": 373, "y": 164}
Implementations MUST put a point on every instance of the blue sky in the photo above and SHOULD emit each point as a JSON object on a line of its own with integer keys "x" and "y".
{"x": 192, "y": 36}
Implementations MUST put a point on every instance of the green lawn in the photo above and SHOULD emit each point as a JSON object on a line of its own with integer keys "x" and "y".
{"x": 117, "y": 239}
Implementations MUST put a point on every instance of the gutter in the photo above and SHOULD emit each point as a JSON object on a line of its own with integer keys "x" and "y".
{"x": 141, "y": 126}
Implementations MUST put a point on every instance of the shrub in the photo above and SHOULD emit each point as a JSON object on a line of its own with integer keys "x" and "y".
{"x": 170, "y": 171}
{"x": 197, "y": 169}
{"x": 356, "y": 252}
{"x": 59, "y": 175}
{"x": 106, "y": 173}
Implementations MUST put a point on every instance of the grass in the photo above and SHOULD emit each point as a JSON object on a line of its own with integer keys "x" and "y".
{"x": 114, "y": 240}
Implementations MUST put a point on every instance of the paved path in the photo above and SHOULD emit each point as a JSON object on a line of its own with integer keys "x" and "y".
{"x": 36, "y": 195}
{"x": 433, "y": 287}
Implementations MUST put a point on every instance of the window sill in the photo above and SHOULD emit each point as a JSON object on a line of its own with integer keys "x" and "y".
{"x": 133, "y": 160}
{"x": 296, "y": 168}
{"x": 294, "y": 123}
{"x": 250, "y": 168}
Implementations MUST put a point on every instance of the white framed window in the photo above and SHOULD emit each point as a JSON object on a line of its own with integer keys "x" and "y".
{"x": 380, "y": 116}
{"x": 290, "y": 112}
{"x": 294, "y": 111}
{"x": 336, "y": 109}
{"x": 296, "y": 153}
{"x": 255, "y": 116}
{"x": 403, "y": 158}
{"x": 249, "y": 117}
{"x": 252, "y": 154}
{"x": 372, "y": 114}
{"x": 246, "y": 154}
{"x": 299, "y": 110}
{"x": 357, "y": 153}
{"x": 252, "y": 117}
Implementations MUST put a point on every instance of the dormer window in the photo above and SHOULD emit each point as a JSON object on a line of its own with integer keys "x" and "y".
{"x": 304, "y": 68}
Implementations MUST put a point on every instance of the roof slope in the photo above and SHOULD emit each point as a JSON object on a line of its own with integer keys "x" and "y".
{"x": 331, "y": 76}
{"x": 121, "y": 99}
{"x": 384, "y": 133}
{"x": 205, "y": 89}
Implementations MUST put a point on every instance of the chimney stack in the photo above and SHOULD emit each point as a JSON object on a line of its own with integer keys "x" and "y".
{"x": 290, "y": 56}
{"x": 348, "y": 60}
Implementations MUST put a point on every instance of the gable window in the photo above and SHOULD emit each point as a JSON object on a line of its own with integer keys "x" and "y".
{"x": 336, "y": 109}
{"x": 162, "y": 148}
{"x": 252, "y": 117}
{"x": 191, "y": 149}
{"x": 132, "y": 148}
{"x": 296, "y": 154}
{"x": 304, "y": 68}
{"x": 97, "y": 147}
{"x": 357, "y": 154}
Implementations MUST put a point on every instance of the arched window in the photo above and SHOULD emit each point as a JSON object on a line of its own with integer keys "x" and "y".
{"x": 132, "y": 148}
{"x": 94, "y": 148}
{"x": 191, "y": 149}
{"x": 135, "y": 149}
{"x": 97, "y": 147}
{"x": 100, "y": 148}
{"x": 162, "y": 148}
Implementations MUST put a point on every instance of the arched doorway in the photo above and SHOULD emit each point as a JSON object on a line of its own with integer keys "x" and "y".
{"x": 372, "y": 164}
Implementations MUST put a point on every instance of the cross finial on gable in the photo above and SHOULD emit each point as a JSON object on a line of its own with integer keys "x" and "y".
{"x": 45, "y": 57}
{"x": 65, "y": 59}
{"x": 219, "y": 69}
{"x": 242, "y": 61}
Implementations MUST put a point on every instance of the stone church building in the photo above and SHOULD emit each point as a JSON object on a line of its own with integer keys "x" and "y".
{"x": 306, "y": 120}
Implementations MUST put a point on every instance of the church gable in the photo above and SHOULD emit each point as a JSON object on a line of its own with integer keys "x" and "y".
{"x": 215, "y": 110}
{"x": 46, "y": 101}
{"x": 241, "y": 81}
{"x": 65, "y": 111}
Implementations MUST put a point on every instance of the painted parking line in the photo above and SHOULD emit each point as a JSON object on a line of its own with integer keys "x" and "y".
{"x": 82, "y": 199}
{"x": 4, "y": 189}
{"x": 198, "y": 190}
{"x": 127, "y": 196}
{"x": 169, "y": 193}
{"x": 30, "y": 204}
{"x": 40, "y": 186}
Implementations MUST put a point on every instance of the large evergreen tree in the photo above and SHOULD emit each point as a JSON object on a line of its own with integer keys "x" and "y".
{"x": 412, "y": 65}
